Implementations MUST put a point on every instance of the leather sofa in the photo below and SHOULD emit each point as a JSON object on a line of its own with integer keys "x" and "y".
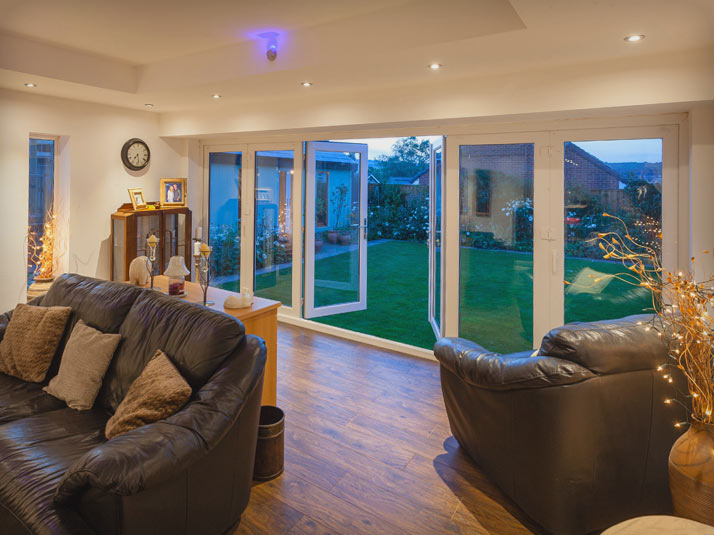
{"x": 576, "y": 434}
{"x": 190, "y": 473}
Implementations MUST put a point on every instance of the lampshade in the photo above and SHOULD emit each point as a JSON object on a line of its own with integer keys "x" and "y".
{"x": 152, "y": 241}
{"x": 177, "y": 267}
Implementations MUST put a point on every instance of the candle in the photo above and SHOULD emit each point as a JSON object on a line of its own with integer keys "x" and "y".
{"x": 199, "y": 233}
{"x": 196, "y": 248}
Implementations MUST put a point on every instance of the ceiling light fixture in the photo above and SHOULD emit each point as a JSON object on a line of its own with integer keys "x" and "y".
{"x": 634, "y": 38}
{"x": 306, "y": 84}
{"x": 149, "y": 105}
{"x": 435, "y": 66}
{"x": 30, "y": 84}
{"x": 216, "y": 96}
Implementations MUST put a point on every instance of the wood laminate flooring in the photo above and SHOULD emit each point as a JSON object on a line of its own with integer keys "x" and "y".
{"x": 368, "y": 450}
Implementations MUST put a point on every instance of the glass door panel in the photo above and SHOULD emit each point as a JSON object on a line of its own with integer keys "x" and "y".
{"x": 496, "y": 245}
{"x": 174, "y": 242}
{"x": 274, "y": 225}
{"x": 335, "y": 228}
{"x": 224, "y": 224}
{"x": 622, "y": 178}
{"x": 435, "y": 228}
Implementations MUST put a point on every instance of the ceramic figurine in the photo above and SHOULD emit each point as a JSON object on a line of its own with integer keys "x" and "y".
{"x": 138, "y": 271}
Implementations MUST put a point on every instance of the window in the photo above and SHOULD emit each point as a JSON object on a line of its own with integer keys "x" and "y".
{"x": 622, "y": 178}
{"x": 41, "y": 201}
{"x": 322, "y": 180}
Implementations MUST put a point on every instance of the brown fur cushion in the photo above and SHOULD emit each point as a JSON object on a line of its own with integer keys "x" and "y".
{"x": 156, "y": 394}
{"x": 31, "y": 340}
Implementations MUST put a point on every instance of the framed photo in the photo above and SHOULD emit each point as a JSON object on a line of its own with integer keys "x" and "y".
{"x": 173, "y": 192}
{"x": 137, "y": 198}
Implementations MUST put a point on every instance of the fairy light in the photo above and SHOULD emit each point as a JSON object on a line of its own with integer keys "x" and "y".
{"x": 680, "y": 302}
{"x": 42, "y": 249}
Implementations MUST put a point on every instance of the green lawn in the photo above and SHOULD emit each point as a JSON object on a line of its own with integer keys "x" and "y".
{"x": 496, "y": 295}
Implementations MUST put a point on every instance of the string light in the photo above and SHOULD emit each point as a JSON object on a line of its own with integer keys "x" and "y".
{"x": 42, "y": 249}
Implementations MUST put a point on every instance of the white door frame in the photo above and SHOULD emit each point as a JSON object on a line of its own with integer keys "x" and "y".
{"x": 436, "y": 323}
{"x": 361, "y": 304}
{"x": 542, "y": 230}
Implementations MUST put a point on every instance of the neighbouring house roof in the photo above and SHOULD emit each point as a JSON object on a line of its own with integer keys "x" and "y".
{"x": 572, "y": 151}
{"x": 401, "y": 180}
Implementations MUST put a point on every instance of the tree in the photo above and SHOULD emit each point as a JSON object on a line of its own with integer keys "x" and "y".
{"x": 408, "y": 158}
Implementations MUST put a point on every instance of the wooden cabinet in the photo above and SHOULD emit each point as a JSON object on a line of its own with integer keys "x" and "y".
{"x": 131, "y": 228}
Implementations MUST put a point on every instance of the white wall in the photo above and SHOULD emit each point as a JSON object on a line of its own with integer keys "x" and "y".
{"x": 92, "y": 181}
{"x": 701, "y": 184}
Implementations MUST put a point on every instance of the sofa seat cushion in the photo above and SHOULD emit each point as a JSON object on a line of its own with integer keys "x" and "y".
{"x": 19, "y": 399}
{"x": 197, "y": 339}
{"x": 35, "y": 452}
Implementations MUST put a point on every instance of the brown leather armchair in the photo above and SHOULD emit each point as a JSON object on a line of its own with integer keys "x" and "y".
{"x": 577, "y": 435}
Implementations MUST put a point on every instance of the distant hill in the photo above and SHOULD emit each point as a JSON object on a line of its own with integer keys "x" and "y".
{"x": 649, "y": 171}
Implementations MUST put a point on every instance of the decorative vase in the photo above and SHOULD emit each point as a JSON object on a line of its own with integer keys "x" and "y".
{"x": 39, "y": 287}
{"x": 318, "y": 245}
{"x": 691, "y": 473}
{"x": 345, "y": 239}
{"x": 332, "y": 236}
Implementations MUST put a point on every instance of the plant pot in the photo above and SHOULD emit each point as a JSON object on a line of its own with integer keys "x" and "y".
{"x": 39, "y": 287}
{"x": 332, "y": 236}
{"x": 691, "y": 473}
{"x": 318, "y": 245}
{"x": 345, "y": 239}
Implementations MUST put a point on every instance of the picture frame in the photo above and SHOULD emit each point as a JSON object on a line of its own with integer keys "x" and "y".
{"x": 172, "y": 192}
{"x": 137, "y": 198}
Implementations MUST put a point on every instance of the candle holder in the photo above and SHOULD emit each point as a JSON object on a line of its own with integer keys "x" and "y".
{"x": 152, "y": 242}
{"x": 203, "y": 270}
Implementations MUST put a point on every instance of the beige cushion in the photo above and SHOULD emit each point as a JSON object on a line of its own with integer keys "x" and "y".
{"x": 31, "y": 340}
{"x": 85, "y": 360}
{"x": 156, "y": 394}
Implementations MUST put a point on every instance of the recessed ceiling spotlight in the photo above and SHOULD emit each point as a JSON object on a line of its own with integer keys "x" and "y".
{"x": 216, "y": 96}
{"x": 306, "y": 84}
{"x": 30, "y": 84}
{"x": 634, "y": 38}
{"x": 435, "y": 66}
{"x": 149, "y": 105}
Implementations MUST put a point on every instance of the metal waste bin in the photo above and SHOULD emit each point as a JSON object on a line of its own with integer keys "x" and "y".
{"x": 270, "y": 451}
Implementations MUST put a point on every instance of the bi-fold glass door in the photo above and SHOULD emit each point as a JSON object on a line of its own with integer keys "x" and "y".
{"x": 497, "y": 235}
{"x": 253, "y": 219}
{"x": 522, "y": 225}
{"x": 335, "y": 228}
{"x": 435, "y": 236}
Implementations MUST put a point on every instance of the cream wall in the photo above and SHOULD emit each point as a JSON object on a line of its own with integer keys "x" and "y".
{"x": 91, "y": 183}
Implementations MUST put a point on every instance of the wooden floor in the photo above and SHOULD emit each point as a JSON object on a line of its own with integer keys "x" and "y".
{"x": 368, "y": 450}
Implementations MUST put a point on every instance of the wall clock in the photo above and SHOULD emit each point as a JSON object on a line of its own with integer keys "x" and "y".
{"x": 135, "y": 154}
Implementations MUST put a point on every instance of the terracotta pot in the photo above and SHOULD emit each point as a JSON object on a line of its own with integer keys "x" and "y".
{"x": 318, "y": 246}
{"x": 345, "y": 239}
{"x": 332, "y": 236}
{"x": 691, "y": 473}
{"x": 39, "y": 287}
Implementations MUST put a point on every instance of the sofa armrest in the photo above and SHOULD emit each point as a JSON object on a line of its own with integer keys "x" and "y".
{"x": 479, "y": 367}
{"x": 7, "y": 316}
{"x": 150, "y": 455}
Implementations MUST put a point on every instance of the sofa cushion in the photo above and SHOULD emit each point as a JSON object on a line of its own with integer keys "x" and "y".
{"x": 20, "y": 399}
{"x": 31, "y": 340}
{"x": 609, "y": 346}
{"x": 84, "y": 362}
{"x": 198, "y": 340}
{"x": 100, "y": 304}
{"x": 156, "y": 394}
{"x": 34, "y": 454}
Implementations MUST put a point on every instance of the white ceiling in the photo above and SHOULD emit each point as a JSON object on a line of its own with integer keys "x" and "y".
{"x": 176, "y": 53}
